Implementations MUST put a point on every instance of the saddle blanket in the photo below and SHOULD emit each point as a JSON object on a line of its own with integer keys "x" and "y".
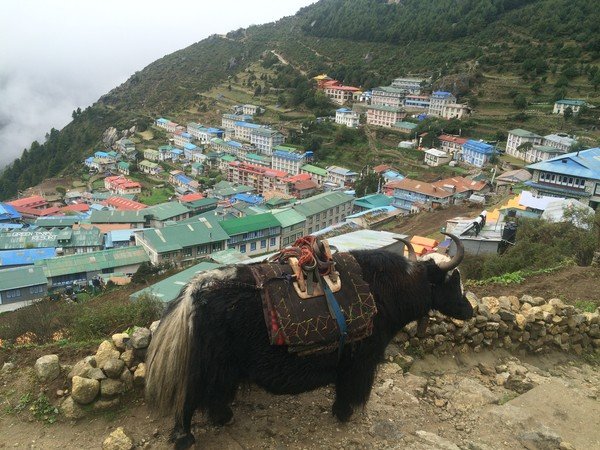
{"x": 306, "y": 325}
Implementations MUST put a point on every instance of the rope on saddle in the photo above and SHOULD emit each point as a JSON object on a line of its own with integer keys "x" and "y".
{"x": 309, "y": 254}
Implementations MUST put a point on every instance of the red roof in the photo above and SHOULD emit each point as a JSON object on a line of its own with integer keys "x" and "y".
{"x": 124, "y": 204}
{"x": 420, "y": 187}
{"x": 35, "y": 201}
{"x": 345, "y": 88}
{"x": 191, "y": 197}
{"x": 381, "y": 168}
{"x": 300, "y": 177}
{"x": 461, "y": 184}
{"x": 32, "y": 212}
{"x": 455, "y": 139}
{"x": 77, "y": 207}
{"x": 304, "y": 185}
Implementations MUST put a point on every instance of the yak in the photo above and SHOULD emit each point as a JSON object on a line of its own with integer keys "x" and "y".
{"x": 213, "y": 337}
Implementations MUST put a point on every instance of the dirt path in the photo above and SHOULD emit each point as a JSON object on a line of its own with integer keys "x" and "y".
{"x": 449, "y": 402}
{"x": 285, "y": 62}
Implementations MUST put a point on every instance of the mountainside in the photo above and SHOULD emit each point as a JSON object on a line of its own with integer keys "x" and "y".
{"x": 555, "y": 43}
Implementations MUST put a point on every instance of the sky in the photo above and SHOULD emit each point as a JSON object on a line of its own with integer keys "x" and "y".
{"x": 58, "y": 55}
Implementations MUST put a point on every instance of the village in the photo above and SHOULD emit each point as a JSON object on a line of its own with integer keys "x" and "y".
{"x": 217, "y": 194}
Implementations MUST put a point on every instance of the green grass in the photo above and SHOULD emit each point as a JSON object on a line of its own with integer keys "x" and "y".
{"x": 98, "y": 184}
{"x": 156, "y": 196}
{"x": 586, "y": 305}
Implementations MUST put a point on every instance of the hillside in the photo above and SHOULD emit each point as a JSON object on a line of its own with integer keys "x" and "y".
{"x": 540, "y": 49}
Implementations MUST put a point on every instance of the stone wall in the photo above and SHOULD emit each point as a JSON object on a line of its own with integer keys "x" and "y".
{"x": 528, "y": 323}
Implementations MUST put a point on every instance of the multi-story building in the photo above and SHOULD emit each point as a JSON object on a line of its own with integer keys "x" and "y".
{"x": 204, "y": 134}
{"x": 166, "y": 124}
{"x": 230, "y": 147}
{"x": 341, "y": 176}
{"x": 574, "y": 175}
{"x": 451, "y": 144}
{"x": 324, "y": 210}
{"x": 541, "y": 153}
{"x": 388, "y": 96}
{"x": 253, "y": 235}
{"x": 347, "y": 117}
{"x": 265, "y": 139}
{"x": 250, "y": 110}
{"x": 260, "y": 178}
{"x": 406, "y": 127}
{"x": 317, "y": 173}
{"x": 454, "y": 111}
{"x": 384, "y": 116}
{"x": 121, "y": 185}
{"x": 228, "y": 120}
{"x": 477, "y": 153}
{"x": 438, "y": 100}
{"x": 180, "y": 138}
{"x": 518, "y": 137}
{"x": 149, "y": 167}
{"x": 150, "y": 154}
{"x": 292, "y": 225}
{"x": 408, "y": 192}
{"x": 413, "y": 101}
{"x": 338, "y": 93}
{"x": 435, "y": 157}
{"x": 414, "y": 85}
{"x": 123, "y": 167}
{"x": 290, "y": 160}
{"x": 243, "y": 130}
{"x": 561, "y": 105}
{"x": 561, "y": 142}
{"x": 164, "y": 152}
{"x": 67, "y": 241}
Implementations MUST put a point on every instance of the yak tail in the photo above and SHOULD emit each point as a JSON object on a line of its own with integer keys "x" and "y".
{"x": 168, "y": 358}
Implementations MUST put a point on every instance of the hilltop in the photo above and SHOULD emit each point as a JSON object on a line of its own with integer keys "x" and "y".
{"x": 489, "y": 52}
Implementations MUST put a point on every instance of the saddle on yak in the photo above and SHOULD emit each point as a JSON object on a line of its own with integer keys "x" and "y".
{"x": 314, "y": 301}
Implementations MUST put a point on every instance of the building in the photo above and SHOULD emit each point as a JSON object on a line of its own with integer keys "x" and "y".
{"x": 438, "y": 100}
{"x": 324, "y": 210}
{"x": 384, "y": 116}
{"x": 317, "y": 173}
{"x": 265, "y": 139}
{"x": 574, "y": 175}
{"x": 462, "y": 188}
{"x": 418, "y": 102}
{"x": 66, "y": 240}
{"x": 158, "y": 216}
{"x": 150, "y": 154}
{"x": 25, "y": 257}
{"x": 541, "y": 153}
{"x": 372, "y": 201}
{"x": 561, "y": 105}
{"x": 204, "y": 134}
{"x": 225, "y": 189}
{"x": 125, "y": 145}
{"x": 407, "y": 193}
{"x": 477, "y": 153}
{"x": 182, "y": 182}
{"x": 518, "y": 137}
{"x": 21, "y": 286}
{"x": 288, "y": 159}
{"x": 164, "y": 152}
{"x": 228, "y": 120}
{"x": 406, "y": 127}
{"x": 454, "y": 111}
{"x": 388, "y": 96}
{"x": 123, "y": 167}
{"x": 181, "y": 243}
{"x": 292, "y": 225}
{"x": 124, "y": 204}
{"x": 253, "y": 235}
{"x": 27, "y": 208}
{"x": 118, "y": 220}
{"x": 435, "y": 157}
{"x": 121, "y": 185}
{"x": 260, "y": 178}
{"x": 243, "y": 130}
{"x": 341, "y": 176}
{"x": 149, "y": 167}
{"x": 561, "y": 142}
{"x": 413, "y": 85}
{"x": 199, "y": 206}
{"x": 8, "y": 213}
{"x": 339, "y": 93}
{"x": 347, "y": 117}
{"x": 250, "y": 110}
{"x": 166, "y": 124}
{"x": 451, "y": 144}
{"x": 180, "y": 138}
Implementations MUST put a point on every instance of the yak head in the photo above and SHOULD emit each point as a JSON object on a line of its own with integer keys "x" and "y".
{"x": 447, "y": 293}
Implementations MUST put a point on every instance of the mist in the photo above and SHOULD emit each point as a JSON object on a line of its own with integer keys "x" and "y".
{"x": 58, "y": 55}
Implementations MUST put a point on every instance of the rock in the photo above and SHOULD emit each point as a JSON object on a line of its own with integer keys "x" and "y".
{"x": 140, "y": 338}
{"x": 404, "y": 361}
{"x": 139, "y": 376}
{"x": 110, "y": 388}
{"x": 386, "y": 429}
{"x": 96, "y": 374}
{"x": 71, "y": 409}
{"x": 470, "y": 393}
{"x": 60, "y": 393}
{"x": 543, "y": 439}
{"x": 91, "y": 360}
{"x": 114, "y": 367}
{"x": 47, "y": 368}
{"x": 117, "y": 440}
{"x": 128, "y": 357}
{"x": 127, "y": 379}
{"x": 518, "y": 383}
{"x": 8, "y": 367}
{"x": 84, "y": 390}
{"x": 533, "y": 301}
{"x": 486, "y": 370}
{"x": 120, "y": 340}
{"x": 106, "y": 351}
{"x": 80, "y": 369}
{"x": 435, "y": 441}
{"x": 154, "y": 326}
{"x": 104, "y": 404}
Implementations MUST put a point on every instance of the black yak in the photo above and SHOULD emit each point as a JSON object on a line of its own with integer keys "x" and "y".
{"x": 213, "y": 337}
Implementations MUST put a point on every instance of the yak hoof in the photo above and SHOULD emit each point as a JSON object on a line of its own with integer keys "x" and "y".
{"x": 184, "y": 442}
{"x": 221, "y": 417}
{"x": 342, "y": 412}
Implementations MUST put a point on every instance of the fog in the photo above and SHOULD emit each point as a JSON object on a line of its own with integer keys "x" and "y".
{"x": 58, "y": 55}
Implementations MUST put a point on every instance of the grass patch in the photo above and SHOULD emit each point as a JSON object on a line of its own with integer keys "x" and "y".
{"x": 586, "y": 305}
{"x": 507, "y": 397}
{"x": 156, "y": 196}
{"x": 515, "y": 277}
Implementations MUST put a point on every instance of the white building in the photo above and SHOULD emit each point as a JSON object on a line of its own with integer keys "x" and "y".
{"x": 180, "y": 138}
{"x": 384, "y": 116}
{"x": 387, "y": 96}
{"x": 454, "y": 111}
{"x": 243, "y": 130}
{"x": 265, "y": 139}
{"x": 518, "y": 137}
{"x": 413, "y": 85}
{"x": 438, "y": 100}
{"x": 250, "y": 109}
{"x": 288, "y": 160}
{"x": 347, "y": 117}
{"x": 435, "y": 157}
{"x": 228, "y": 120}
{"x": 341, "y": 176}
{"x": 561, "y": 105}
{"x": 561, "y": 142}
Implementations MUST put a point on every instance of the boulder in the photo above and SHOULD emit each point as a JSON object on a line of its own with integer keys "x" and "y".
{"x": 139, "y": 376}
{"x": 110, "y": 388}
{"x": 104, "y": 404}
{"x": 140, "y": 338}
{"x": 84, "y": 390}
{"x": 8, "y": 367}
{"x": 96, "y": 374}
{"x": 435, "y": 441}
{"x": 127, "y": 379}
{"x": 154, "y": 326}
{"x": 47, "y": 368}
{"x": 117, "y": 440}
{"x": 80, "y": 369}
{"x": 120, "y": 340}
{"x": 114, "y": 367}
{"x": 71, "y": 409}
{"x": 128, "y": 357}
{"x": 106, "y": 351}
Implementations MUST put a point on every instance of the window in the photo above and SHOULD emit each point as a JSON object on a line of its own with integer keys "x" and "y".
{"x": 36, "y": 289}
{"x": 263, "y": 243}
{"x": 286, "y": 241}
{"x": 252, "y": 246}
{"x": 243, "y": 248}
{"x": 272, "y": 242}
{"x": 187, "y": 252}
{"x": 14, "y": 293}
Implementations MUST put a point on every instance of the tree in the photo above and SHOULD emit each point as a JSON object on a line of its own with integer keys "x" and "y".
{"x": 536, "y": 87}
{"x": 568, "y": 113}
{"x": 368, "y": 183}
{"x": 520, "y": 101}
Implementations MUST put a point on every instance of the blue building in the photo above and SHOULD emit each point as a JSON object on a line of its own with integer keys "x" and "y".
{"x": 574, "y": 175}
{"x": 25, "y": 257}
{"x": 8, "y": 213}
{"x": 477, "y": 153}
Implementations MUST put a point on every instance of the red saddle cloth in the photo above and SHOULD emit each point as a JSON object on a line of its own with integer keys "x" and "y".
{"x": 305, "y": 325}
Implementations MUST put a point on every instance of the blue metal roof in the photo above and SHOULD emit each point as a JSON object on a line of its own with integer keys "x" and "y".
{"x": 584, "y": 164}
{"x": 479, "y": 147}
{"x": 248, "y": 125}
{"x": 11, "y": 226}
{"x": 183, "y": 179}
{"x": 288, "y": 155}
{"x": 247, "y": 198}
{"x": 343, "y": 110}
{"x": 101, "y": 154}
{"x": 441, "y": 94}
{"x": 186, "y": 135}
{"x": 8, "y": 212}
{"x": 162, "y": 120}
{"x": 189, "y": 146}
{"x": 25, "y": 257}
{"x": 176, "y": 151}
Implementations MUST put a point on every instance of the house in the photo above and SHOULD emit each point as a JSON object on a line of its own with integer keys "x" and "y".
{"x": 413, "y": 85}
{"x": 181, "y": 243}
{"x": 407, "y": 193}
{"x": 259, "y": 160}
{"x": 574, "y": 175}
{"x": 164, "y": 152}
{"x": 438, "y": 100}
{"x": 8, "y": 213}
{"x": 198, "y": 206}
{"x": 317, "y": 173}
{"x": 66, "y": 240}
{"x": 562, "y": 142}
{"x": 477, "y": 153}
{"x": 406, "y": 127}
{"x": 243, "y": 130}
{"x": 225, "y": 189}
{"x": 166, "y": 124}
{"x": 125, "y": 145}
{"x": 454, "y": 111}
{"x": 259, "y": 177}
{"x": 204, "y": 134}
{"x": 324, "y": 210}
{"x": 321, "y": 80}
{"x": 301, "y": 185}
{"x": 33, "y": 202}
{"x": 292, "y": 225}
{"x": 347, "y": 117}
{"x": 176, "y": 155}
{"x": 150, "y": 154}
{"x": 518, "y": 137}
{"x": 121, "y": 185}
{"x": 462, "y": 188}
{"x": 288, "y": 159}
{"x": 265, "y": 139}
{"x": 24, "y": 257}
{"x": 388, "y": 173}
{"x": 384, "y": 116}
{"x": 190, "y": 151}
{"x": 451, "y": 144}
{"x": 435, "y": 157}
{"x": 253, "y": 235}
{"x": 21, "y": 286}
{"x": 417, "y": 102}
{"x": 231, "y": 147}
{"x": 149, "y": 167}
{"x": 512, "y": 177}
{"x": 372, "y": 201}
{"x": 388, "y": 96}
{"x": 197, "y": 169}
{"x": 118, "y": 220}
{"x": 228, "y": 120}
{"x": 250, "y": 110}
{"x": 339, "y": 93}
{"x": 541, "y": 153}
{"x": 178, "y": 179}
{"x": 123, "y": 167}
{"x": 560, "y": 106}
{"x": 67, "y": 270}
{"x": 341, "y": 176}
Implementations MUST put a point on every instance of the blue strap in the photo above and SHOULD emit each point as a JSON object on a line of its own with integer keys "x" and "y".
{"x": 336, "y": 311}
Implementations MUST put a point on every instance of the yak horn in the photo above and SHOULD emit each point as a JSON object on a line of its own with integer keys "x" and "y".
{"x": 412, "y": 256}
{"x": 460, "y": 254}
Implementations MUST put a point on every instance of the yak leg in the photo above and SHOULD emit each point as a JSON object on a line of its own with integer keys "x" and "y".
{"x": 222, "y": 393}
{"x": 182, "y": 435}
{"x": 353, "y": 386}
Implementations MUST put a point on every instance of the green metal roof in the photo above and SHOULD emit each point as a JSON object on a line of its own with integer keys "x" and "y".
{"x": 202, "y": 203}
{"x": 288, "y": 148}
{"x": 148, "y": 164}
{"x": 571, "y": 102}
{"x": 547, "y": 149}
{"x": 249, "y": 224}
{"x": 390, "y": 89}
{"x": 265, "y": 132}
{"x": 385, "y": 108}
{"x": 169, "y": 289}
{"x": 524, "y": 133}
{"x": 203, "y": 230}
{"x": 314, "y": 169}
{"x": 322, "y": 202}
{"x": 123, "y": 165}
{"x": 256, "y": 157}
{"x": 228, "y": 257}
{"x": 373, "y": 201}
{"x": 289, "y": 217}
{"x": 21, "y": 277}
{"x": 165, "y": 211}
{"x": 52, "y": 222}
{"x": 93, "y": 262}
{"x": 226, "y": 189}
{"x": 277, "y": 201}
{"x": 53, "y": 237}
{"x": 228, "y": 158}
